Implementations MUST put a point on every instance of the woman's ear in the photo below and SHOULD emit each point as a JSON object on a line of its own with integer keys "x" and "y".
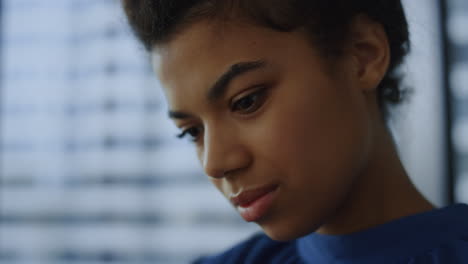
{"x": 370, "y": 52}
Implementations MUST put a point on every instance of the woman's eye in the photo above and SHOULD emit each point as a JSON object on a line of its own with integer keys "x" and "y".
{"x": 193, "y": 132}
{"x": 249, "y": 103}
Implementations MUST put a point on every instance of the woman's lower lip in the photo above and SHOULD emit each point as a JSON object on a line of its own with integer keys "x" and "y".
{"x": 258, "y": 208}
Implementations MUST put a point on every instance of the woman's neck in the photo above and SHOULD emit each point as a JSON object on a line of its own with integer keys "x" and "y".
{"x": 381, "y": 193}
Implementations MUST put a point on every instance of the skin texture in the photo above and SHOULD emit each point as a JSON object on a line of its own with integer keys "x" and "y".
{"x": 309, "y": 125}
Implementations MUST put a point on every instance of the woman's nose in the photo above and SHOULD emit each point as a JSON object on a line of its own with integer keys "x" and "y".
{"x": 223, "y": 154}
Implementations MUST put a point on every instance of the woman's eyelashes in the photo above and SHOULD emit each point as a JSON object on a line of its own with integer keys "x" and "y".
{"x": 247, "y": 104}
{"x": 193, "y": 132}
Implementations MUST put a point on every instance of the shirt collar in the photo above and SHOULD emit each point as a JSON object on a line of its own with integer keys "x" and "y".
{"x": 398, "y": 238}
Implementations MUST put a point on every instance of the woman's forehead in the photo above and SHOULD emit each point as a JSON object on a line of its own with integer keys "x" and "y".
{"x": 198, "y": 56}
{"x": 206, "y": 45}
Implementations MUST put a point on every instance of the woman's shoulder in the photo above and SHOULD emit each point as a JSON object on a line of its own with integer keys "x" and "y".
{"x": 452, "y": 238}
{"x": 438, "y": 236}
{"x": 454, "y": 251}
{"x": 259, "y": 248}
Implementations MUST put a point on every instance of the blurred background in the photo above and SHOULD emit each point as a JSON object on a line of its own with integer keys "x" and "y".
{"x": 90, "y": 169}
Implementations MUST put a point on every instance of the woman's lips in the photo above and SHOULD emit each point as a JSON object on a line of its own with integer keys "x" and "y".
{"x": 253, "y": 204}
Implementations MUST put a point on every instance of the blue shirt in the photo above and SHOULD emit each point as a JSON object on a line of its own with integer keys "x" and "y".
{"x": 439, "y": 236}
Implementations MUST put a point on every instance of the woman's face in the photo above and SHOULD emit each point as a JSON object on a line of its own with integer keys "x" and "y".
{"x": 269, "y": 120}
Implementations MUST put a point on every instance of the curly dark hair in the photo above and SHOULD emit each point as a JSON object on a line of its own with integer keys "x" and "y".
{"x": 327, "y": 21}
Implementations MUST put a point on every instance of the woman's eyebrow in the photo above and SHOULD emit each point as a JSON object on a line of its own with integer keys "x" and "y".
{"x": 220, "y": 86}
{"x": 178, "y": 115}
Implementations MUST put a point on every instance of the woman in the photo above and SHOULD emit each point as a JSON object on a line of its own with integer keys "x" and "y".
{"x": 286, "y": 103}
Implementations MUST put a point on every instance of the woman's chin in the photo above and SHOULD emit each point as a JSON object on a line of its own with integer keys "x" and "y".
{"x": 286, "y": 231}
